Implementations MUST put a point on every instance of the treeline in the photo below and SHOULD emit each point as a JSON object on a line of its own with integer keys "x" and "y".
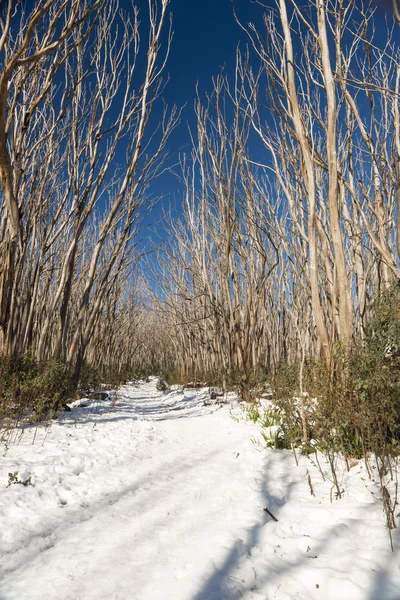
{"x": 79, "y": 146}
{"x": 291, "y": 224}
{"x": 284, "y": 266}
{"x": 289, "y": 227}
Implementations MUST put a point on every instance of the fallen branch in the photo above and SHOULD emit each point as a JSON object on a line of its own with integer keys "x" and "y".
{"x": 270, "y": 514}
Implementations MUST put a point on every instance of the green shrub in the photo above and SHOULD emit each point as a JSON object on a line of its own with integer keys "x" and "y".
{"x": 172, "y": 377}
{"x": 356, "y": 402}
{"x": 248, "y": 383}
{"x": 270, "y": 417}
{"x": 265, "y": 417}
{"x": 44, "y": 391}
{"x": 31, "y": 390}
{"x": 90, "y": 377}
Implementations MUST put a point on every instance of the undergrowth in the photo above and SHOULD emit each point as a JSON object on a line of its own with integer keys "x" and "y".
{"x": 32, "y": 392}
{"x": 352, "y": 407}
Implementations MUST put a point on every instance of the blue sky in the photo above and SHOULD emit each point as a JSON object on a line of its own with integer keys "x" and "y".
{"x": 205, "y": 41}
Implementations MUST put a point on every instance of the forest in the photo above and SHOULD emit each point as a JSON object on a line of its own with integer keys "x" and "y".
{"x": 278, "y": 268}
{"x": 199, "y": 299}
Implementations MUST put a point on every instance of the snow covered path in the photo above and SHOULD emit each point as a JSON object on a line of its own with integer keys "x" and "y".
{"x": 162, "y": 498}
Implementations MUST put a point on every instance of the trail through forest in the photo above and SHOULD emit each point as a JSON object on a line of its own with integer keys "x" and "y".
{"x": 162, "y": 496}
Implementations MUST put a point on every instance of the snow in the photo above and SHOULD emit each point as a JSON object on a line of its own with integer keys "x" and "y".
{"x": 151, "y": 496}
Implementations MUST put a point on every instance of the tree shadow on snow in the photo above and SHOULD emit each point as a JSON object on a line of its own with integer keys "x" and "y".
{"x": 163, "y": 408}
{"x": 385, "y": 587}
{"x": 221, "y": 585}
{"x": 228, "y": 583}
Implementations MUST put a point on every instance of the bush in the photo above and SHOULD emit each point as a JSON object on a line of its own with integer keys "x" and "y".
{"x": 31, "y": 390}
{"x": 247, "y": 384}
{"x": 353, "y": 407}
{"x": 172, "y": 377}
{"x": 90, "y": 377}
{"x": 109, "y": 376}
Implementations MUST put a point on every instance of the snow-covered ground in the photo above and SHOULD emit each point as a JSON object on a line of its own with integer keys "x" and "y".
{"x": 163, "y": 497}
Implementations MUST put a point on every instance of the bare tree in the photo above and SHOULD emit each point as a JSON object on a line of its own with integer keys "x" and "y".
{"x": 313, "y": 142}
{"x": 280, "y": 260}
{"x": 80, "y": 148}
{"x": 39, "y": 44}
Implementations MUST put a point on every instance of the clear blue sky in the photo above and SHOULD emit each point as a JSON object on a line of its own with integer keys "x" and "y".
{"x": 205, "y": 41}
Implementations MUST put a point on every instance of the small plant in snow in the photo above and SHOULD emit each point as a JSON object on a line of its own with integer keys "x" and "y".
{"x": 6, "y": 448}
{"x": 162, "y": 385}
{"x": 255, "y": 441}
{"x": 14, "y": 478}
{"x": 269, "y": 418}
{"x": 266, "y": 418}
{"x": 253, "y": 413}
{"x": 276, "y": 440}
